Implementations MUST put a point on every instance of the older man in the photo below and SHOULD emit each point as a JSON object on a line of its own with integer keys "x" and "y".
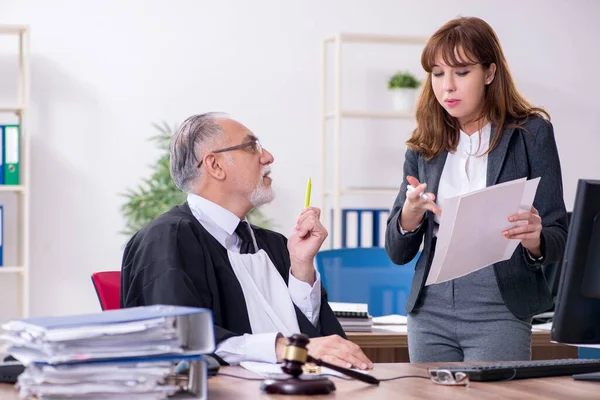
{"x": 260, "y": 286}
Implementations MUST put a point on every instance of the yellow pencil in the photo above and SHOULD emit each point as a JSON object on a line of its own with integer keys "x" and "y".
{"x": 308, "y": 188}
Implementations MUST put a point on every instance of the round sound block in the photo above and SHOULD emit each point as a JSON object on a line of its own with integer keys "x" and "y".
{"x": 305, "y": 385}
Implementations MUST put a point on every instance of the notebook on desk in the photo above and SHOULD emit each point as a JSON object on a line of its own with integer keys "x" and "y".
{"x": 350, "y": 310}
{"x": 354, "y": 317}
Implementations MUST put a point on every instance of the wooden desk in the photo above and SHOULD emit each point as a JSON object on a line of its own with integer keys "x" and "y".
{"x": 383, "y": 346}
{"x": 227, "y": 388}
{"x": 224, "y": 387}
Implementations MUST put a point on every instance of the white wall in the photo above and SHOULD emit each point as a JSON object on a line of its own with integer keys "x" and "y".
{"x": 102, "y": 73}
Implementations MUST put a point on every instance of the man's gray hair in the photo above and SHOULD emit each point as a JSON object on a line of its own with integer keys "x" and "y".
{"x": 188, "y": 146}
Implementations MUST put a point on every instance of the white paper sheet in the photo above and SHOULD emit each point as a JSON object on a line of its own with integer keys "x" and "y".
{"x": 470, "y": 235}
{"x": 268, "y": 369}
{"x": 393, "y": 328}
{"x": 547, "y": 326}
{"x": 393, "y": 319}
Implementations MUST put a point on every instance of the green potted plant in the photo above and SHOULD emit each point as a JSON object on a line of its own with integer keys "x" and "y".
{"x": 158, "y": 193}
{"x": 404, "y": 87}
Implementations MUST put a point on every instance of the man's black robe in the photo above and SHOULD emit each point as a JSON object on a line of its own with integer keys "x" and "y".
{"x": 174, "y": 260}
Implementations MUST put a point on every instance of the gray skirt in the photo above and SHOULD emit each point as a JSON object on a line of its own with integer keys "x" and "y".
{"x": 466, "y": 319}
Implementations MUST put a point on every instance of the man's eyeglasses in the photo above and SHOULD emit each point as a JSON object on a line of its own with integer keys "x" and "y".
{"x": 254, "y": 145}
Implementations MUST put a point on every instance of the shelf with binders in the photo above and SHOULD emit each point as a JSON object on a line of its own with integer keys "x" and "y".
{"x": 347, "y": 68}
{"x": 15, "y": 170}
{"x": 12, "y": 209}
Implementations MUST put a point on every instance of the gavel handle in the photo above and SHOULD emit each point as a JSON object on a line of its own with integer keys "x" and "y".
{"x": 353, "y": 374}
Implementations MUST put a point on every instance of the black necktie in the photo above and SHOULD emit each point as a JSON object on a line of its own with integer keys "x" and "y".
{"x": 243, "y": 231}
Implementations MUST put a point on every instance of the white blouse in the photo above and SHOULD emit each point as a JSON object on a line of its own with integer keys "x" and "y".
{"x": 465, "y": 170}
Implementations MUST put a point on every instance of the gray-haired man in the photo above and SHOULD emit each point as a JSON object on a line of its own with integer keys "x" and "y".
{"x": 260, "y": 286}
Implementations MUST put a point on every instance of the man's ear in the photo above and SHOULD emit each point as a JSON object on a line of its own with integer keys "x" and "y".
{"x": 490, "y": 74}
{"x": 213, "y": 167}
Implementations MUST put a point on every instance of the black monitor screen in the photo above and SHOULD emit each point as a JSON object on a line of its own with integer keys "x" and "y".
{"x": 577, "y": 313}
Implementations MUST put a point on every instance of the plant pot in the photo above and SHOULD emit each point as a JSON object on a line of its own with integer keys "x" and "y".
{"x": 404, "y": 99}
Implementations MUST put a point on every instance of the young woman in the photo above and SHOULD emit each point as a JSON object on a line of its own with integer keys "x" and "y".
{"x": 474, "y": 130}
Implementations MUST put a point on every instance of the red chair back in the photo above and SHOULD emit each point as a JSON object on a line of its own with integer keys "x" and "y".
{"x": 108, "y": 289}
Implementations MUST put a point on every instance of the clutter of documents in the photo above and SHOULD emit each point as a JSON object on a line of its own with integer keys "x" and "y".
{"x": 129, "y": 353}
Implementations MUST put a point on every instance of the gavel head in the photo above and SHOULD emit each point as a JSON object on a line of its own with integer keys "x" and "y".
{"x": 295, "y": 354}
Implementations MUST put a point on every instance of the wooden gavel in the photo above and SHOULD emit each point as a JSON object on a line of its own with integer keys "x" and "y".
{"x": 296, "y": 355}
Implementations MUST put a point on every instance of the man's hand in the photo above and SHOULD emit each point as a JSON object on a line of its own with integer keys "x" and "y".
{"x": 304, "y": 243}
{"x": 332, "y": 349}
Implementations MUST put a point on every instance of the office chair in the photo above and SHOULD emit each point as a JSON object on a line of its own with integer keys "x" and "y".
{"x": 366, "y": 275}
{"x": 108, "y": 289}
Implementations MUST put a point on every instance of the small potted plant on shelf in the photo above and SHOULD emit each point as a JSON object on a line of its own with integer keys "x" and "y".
{"x": 404, "y": 87}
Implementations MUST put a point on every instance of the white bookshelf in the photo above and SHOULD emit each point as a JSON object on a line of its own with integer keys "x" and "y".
{"x": 12, "y": 188}
{"x": 12, "y": 108}
{"x": 335, "y": 191}
{"x": 19, "y": 108}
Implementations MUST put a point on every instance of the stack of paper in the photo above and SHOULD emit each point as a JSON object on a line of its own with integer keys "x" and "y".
{"x": 470, "y": 235}
{"x": 110, "y": 379}
{"x": 128, "y": 353}
{"x": 354, "y": 317}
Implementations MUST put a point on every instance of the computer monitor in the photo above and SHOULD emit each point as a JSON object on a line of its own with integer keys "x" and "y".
{"x": 552, "y": 273}
{"x": 577, "y": 312}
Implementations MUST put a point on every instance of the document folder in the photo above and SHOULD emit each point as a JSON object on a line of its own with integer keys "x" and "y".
{"x": 11, "y": 154}
{"x": 128, "y": 332}
{"x": 126, "y": 353}
{"x": 1, "y": 154}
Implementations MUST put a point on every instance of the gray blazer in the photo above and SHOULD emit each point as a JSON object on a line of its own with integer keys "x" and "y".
{"x": 530, "y": 153}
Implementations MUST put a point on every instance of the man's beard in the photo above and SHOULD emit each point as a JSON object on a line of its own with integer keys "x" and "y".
{"x": 262, "y": 194}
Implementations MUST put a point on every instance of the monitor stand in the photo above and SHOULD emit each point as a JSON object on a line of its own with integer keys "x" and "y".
{"x": 592, "y": 376}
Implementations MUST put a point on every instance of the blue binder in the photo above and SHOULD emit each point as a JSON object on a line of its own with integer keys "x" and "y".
{"x": 1, "y": 234}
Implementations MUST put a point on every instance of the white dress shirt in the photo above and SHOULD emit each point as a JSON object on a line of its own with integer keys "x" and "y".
{"x": 221, "y": 224}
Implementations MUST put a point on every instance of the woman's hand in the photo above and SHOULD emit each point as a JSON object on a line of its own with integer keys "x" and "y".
{"x": 415, "y": 207}
{"x": 528, "y": 230}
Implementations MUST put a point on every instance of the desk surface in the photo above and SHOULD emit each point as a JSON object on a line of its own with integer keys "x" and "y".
{"x": 225, "y": 387}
